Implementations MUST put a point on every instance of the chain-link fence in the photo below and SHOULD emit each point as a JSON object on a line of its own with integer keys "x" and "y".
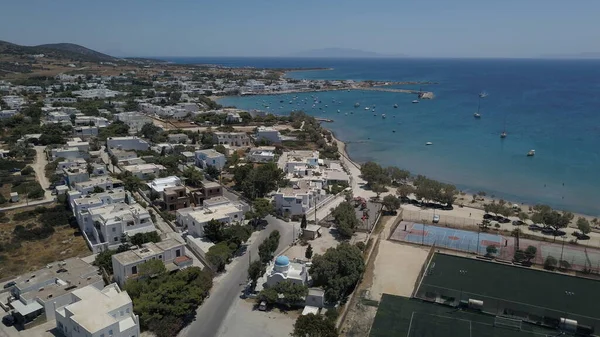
{"x": 426, "y": 217}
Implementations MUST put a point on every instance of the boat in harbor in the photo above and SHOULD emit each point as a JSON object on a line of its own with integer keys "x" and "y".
{"x": 477, "y": 114}
{"x": 356, "y": 105}
{"x": 366, "y": 108}
{"x": 429, "y": 143}
{"x": 395, "y": 106}
{"x": 383, "y": 116}
{"x": 415, "y": 101}
{"x": 503, "y": 134}
{"x": 531, "y": 153}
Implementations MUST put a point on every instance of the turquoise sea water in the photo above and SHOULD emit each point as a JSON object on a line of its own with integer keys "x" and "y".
{"x": 552, "y": 106}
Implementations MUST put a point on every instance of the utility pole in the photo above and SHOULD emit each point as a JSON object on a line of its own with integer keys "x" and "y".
{"x": 562, "y": 250}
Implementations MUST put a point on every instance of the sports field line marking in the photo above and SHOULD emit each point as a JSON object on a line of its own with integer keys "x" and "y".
{"x": 500, "y": 299}
{"x": 410, "y": 324}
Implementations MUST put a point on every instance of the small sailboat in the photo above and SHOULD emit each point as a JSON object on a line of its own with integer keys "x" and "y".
{"x": 356, "y": 105}
{"x": 395, "y": 106}
{"x": 415, "y": 101}
{"x": 531, "y": 153}
{"x": 366, "y": 108}
{"x": 503, "y": 134}
{"x": 429, "y": 143}
{"x": 383, "y": 116}
{"x": 338, "y": 111}
{"x": 477, "y": 114}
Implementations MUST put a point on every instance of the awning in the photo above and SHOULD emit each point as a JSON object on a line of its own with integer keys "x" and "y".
{"x": 25, "y": 309}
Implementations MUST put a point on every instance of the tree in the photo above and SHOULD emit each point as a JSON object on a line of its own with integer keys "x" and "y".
{"x": 292, "y": 293}
{"x": 519, "y": 255}
{"x": 261, "y": 208}
{"x": 397, "y": 175}
{"x": 372, "y": 173}
{"x": 523, "y": 216}
{"x": 104, "y": 260}
{"x": 141, "y": 238}
{"x": 268, "y": 295}
{"x": 530, "y": 253}
{"x": 550, "y": 263}
{"x": 236, "y": 234}
{"x": 255, "y": 270}
{"x": 212, "y": 171}
{"x": 268, "y": 247}
{"x": 221, "y": 149}
{"x": 312, "y": 325}
{"x": 219, "y": 255}
{"x": 97, "y": 189}
{"x": 27, "y": 171}
{"x": 309, "y": 252}
{"x": 303, "y": 223}
{"x": 151, "y": 268}
{"x": 491, "y": 250}
{"x": 583, "y": 225}
{"x": 193, "y": 176}
{"x": 564, "y": 265}
{"x": 378, "y": 188}
{"x": 345, "y": 219}
{"x": 391, "y": 203}
{"x": 213, "y": 230}
{"x": 405, "y": 190}
{"x": 338, "y": 270}
{"x": 261, "y": 180}
{"x": 485, "y": 224}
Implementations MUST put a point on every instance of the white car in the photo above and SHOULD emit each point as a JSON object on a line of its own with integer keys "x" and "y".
{"x": 436, "y": 218}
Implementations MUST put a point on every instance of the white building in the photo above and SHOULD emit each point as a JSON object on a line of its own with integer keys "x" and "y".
{"x": 50, "y": 100}
{"x": 171, "y": 252}
{"x": 261, "y": 154}
{"x": 68, "y": 153}
{"x": 104, "y": 182}
{"x": 97, "y": 93}
{"x": 158, "y": 185}
{"x": 79, "y": 144}
{"x": 177, "y": 138}
{"x": 14, "y": 102}
{"x": 100, "y": 122}
{"x": 5, "y": 114}
{"x": 222, "y": 210}
{"x": 298, "y": 162}
{"x": 94, "y": 312}
{"x": 284, "y": 270}
{"x": 233, "y": 117}
{"x": 297, "y": 200}
{"x": 134, "y": 120}
{"x": 85, "y": 132}
{"x": 127, "y": 143}
{"x": 210, "y": 157}
{"x": 266, "y": 133}
{"x": 144, "y": 171}
{"x": 44, "y": 290}
{"x": 58, "y": 117}
{"x": 233, "y": 139}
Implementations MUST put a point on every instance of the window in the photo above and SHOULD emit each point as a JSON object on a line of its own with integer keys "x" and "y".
{"x": 110, "y": 332}
{"x": 134, "y": 270}
{"x": 299, "y": 201}
{"x": 235, "y": 216}
{"x": 178, "y": 253}
{"x": 116, "y": 239}
{"x": 114, "y": 229}
{"x": 127, "y": 310}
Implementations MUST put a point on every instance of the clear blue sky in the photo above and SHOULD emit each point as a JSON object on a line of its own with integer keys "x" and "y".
{"x": 434, "y": 28}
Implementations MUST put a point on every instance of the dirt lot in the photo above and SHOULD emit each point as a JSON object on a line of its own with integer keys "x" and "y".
{"x": 64, "y": 243}
{"x": 396, "y": 269}
{"x": 319, "y": 245}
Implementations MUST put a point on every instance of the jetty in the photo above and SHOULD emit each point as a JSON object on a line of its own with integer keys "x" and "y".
{"x": 422, "y": 94}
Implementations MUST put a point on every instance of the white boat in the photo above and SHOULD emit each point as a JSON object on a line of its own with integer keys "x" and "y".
{"x": 338, "y": 111}
{"x": 415, "y": 101}
{"x": 531, "y": 153}
{"x": 346, "y": 114}
{"x": 429, "y": 143}
{"x": 477, "y": 115}
{"x": 356, "y": 105}
{"x": 382, "y": 115}
{"x": 503, "y": 134}
{"x": 395, "y": 106}
{"x": 367, "y": 108}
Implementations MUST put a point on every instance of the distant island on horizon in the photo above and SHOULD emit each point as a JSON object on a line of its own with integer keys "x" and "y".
{"x": 342, "y": 53}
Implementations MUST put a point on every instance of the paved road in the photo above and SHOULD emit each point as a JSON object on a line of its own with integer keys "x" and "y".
{"x": 225, "y": 294}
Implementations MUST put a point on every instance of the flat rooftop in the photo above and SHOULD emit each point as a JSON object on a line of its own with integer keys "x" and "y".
{"x": 57, "y": 280}
{"x": 147, "y": 250}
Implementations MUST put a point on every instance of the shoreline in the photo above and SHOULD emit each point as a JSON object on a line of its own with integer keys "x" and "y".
{"x": 463, "y": 198}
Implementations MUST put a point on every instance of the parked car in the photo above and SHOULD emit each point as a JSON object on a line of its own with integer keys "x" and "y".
{"x": 535, "y": 227}
{"x": 436, "y": 218}
{"x": 518, "y": 223}
{"x": 9, "y": 284}
{"x": 581, "y": 236}
{"x": 559, "y": 232}
{"x": 548, "y": 230}
{"x": 262, "y": 306}
{"x": 8, "y": 320}
{"x": 488, "y": 216}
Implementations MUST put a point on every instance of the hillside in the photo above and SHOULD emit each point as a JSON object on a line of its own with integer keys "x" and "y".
{"x": 67, "y": 51}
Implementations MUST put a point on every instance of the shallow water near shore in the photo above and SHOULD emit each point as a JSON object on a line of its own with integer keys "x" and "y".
{"x": 552, "y": 106}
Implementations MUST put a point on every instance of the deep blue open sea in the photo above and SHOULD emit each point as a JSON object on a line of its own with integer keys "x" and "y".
{"x": 552, "y": 106}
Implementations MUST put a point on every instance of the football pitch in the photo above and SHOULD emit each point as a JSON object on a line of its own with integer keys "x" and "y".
{"x": 403, "y": 317}
{"x": 535, "y": 295}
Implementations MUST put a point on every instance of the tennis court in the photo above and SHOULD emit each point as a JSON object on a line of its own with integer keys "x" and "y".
{"x": 400, "y": 316}
{"x": 449, "y": 238}
{"x": 535, "y": 295}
